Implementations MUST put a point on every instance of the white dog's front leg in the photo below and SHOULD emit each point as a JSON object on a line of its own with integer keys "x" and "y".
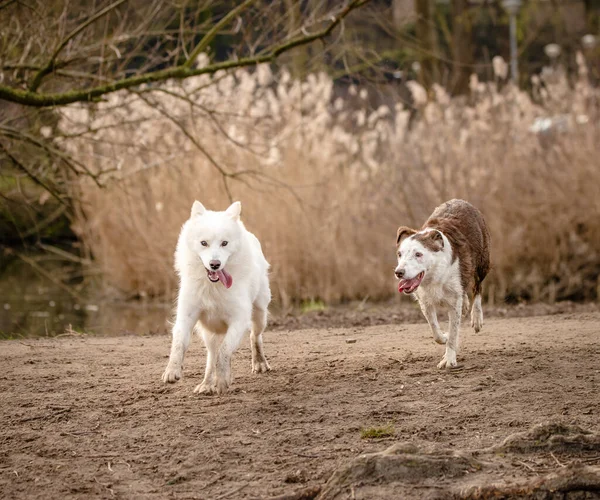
{"x": 212, "y": 341}
{"x": 231, "y": 342}
{"x": 431, "y": 315}
{"x": 188, "y": 310}
{"x": 454, "y": 315}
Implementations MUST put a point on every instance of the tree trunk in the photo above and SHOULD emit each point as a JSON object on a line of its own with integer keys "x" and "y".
{"x": 298, "y": 58}
{"x": 403, "y": 12}
{"x": 425, "y": 36}
{"x": 462, "y": 50}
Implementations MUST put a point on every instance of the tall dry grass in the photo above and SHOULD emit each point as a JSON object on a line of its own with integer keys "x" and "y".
{"x": 324, "y": 182}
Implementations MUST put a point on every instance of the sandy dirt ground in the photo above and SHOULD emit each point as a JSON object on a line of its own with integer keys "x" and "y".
{"x": 85, "y": 417}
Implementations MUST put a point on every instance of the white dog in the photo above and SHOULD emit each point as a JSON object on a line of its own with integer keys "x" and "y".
{"x": 442, "y": 263}
{"x": 224, "y": 291}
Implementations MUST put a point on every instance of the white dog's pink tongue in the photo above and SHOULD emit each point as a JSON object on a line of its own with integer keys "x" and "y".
{"x": 225, "y": 278}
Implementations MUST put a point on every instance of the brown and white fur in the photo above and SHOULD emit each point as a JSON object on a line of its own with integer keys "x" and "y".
{"x": 442, "y": 264}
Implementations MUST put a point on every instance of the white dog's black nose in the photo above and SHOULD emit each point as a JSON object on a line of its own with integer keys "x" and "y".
{"x": 215, "y": 264}
{"x": 400, "y": 273}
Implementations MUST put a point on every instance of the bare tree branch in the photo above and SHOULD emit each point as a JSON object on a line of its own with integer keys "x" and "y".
{"x": 34, "y": 99}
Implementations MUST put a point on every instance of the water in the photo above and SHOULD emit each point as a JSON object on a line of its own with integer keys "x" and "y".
{"x": 36, "y": 305}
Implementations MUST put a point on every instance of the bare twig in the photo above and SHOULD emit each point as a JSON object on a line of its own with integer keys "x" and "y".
{"x": 26, "y": 344}
{"x": 31, "y": 175}
{"x": 39, "y": 226}
{"x": 303, "y": 494}
{"x": 226, "y": 176}
{"x": 560, "y": 464}
{"x": 49, "y": 67}
{"x": 63, "y": 254}
{"x": 229, "y": 493}
{"x": 285, "y": 429}
{"x": 527, "y": 466}
{"x": 212, "y": 161}
{"x": 3, "y": 5}
{"x": 206, "y": 39}
{"x": 75, "y": 166}
{"x": 47, "y": 275}
{"x": 58, "y": 411}
{"x": 81, "y": 433}
{"x": 107, "y": 486}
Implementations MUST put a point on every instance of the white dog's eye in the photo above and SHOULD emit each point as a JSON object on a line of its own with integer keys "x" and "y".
{"x": 399, "y": 254}
{"x": 224, "y": 244}
{"x": 418, "y": 254}
{"x": 204, "y": 244}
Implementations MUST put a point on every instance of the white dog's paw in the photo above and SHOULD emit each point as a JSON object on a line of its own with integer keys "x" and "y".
{"x": 442, "y": 338}
{"x": 171, "y": 374}
{"x": 260, "y": 366}
{"x": 222, "y": 386}
{"x": 449, "y": 359}
{"x": 477, "y": 320}
{"x": 205, "y": 388}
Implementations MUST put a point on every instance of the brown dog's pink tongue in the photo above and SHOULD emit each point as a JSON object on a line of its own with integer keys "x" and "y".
{"x": 225, "y": 278}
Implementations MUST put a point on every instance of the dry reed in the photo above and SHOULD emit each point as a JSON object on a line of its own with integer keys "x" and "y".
{"x": 324, "y": 182}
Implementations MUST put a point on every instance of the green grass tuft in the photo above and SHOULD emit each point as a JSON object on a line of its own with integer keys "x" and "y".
{"x": 312, "y": 305}
{"x": 377, "y": 432}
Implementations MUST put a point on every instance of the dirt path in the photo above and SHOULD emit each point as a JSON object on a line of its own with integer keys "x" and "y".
{"x": 88, "y": 417}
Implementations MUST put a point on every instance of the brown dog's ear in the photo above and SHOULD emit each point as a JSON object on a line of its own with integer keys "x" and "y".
{"x": 438, "y": 239}
{"x": 403, "y": 232}
{"x": 433, "y": 240}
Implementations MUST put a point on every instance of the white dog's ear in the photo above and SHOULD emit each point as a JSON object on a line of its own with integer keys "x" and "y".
{"x": 234, "y": 210}
{"x": 198, "y": 208}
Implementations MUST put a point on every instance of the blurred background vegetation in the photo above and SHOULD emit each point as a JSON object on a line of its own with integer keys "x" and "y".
{"x": 115, "y": 115}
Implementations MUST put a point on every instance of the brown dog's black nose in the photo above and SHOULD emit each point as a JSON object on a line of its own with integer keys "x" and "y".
{"x": 400, "y": 274}
{"x": 215, "y": 264}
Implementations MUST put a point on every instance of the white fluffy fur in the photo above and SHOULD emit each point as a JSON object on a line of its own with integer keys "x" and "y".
{"x": 441, "y": 287}
{"x": 221, "y": 315}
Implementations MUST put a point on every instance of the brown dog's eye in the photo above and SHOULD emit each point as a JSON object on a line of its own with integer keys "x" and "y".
{"x": 204, "y": 244}
{"x": 418, "y": 254}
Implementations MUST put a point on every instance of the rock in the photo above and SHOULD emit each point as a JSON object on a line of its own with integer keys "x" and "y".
{"x": 407, "y": 471}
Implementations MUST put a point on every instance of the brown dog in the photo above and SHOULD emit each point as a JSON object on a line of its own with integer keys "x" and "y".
{"x": 442, "y": 264}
